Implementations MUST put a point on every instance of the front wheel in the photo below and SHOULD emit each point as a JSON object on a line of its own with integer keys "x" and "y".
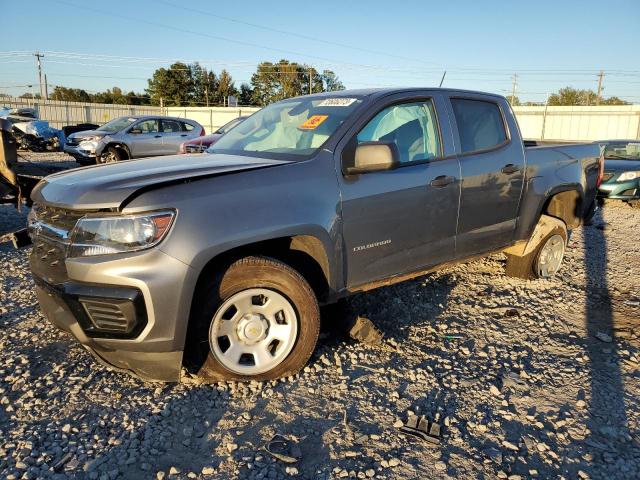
{"x": 111, "y": 155}
{"x": 257, "y": 320}
{"x": 544, "y": 260}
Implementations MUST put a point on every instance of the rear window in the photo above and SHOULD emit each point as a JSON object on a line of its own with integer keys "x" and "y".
{"x": 480, "y": 124}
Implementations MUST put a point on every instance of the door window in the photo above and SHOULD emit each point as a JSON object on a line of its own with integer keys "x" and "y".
{"x": 411, "y": 126}
{"x": 147, "y": 126}
{"x": 170, "y": 126}
{"x": 480, "y": 124}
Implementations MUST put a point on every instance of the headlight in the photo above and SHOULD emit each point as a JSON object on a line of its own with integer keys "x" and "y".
{"x": 106, "y": 234}
{"x": 628, "y": 176}
{"x": 94, "y": 138}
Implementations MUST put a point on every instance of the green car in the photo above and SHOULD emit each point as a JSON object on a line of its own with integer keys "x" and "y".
{"x": 621, "y": 180}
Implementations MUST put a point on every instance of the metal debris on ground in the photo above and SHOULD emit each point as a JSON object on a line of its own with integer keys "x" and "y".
{"x": 283, "y": 448}
{"x": 419, "y": 426}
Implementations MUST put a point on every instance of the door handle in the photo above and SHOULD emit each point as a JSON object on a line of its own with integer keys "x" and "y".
{"x": 442, "y": 181}
{"x": 157, "y": 136}
{"x": 184, "y": 135}
{"x": 510, "y": 168}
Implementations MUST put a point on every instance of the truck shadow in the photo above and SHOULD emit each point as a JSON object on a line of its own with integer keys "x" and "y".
{"x": 608, "y": 420}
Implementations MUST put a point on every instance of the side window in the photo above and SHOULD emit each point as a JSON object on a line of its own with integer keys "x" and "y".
{"x": 411, "y": 126}
{"x": 480, "y": 124}
{"x": 147, "y": 126}
{"x": 187, "y": 127}
{"x": 170, "y": 126}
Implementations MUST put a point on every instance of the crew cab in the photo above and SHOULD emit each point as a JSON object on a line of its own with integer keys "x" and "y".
{"x": 220, "y": 264}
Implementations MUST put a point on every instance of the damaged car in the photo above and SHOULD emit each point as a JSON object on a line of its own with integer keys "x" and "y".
{"x": 131, "y": 137}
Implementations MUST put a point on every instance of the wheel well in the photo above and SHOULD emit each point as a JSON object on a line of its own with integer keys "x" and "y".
{"x": 303, "y": 253}
{"x": 566, "y": 206}
{"x": 122, "y": 150}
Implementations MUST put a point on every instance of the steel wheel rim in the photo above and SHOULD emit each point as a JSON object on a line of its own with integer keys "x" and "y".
{"x": 550, "y": 257}
{"x": 253, "y": 331}
{"x": 109, "y": 157}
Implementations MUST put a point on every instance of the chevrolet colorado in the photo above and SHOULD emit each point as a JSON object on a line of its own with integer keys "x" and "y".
{"x": 221, "y": 263}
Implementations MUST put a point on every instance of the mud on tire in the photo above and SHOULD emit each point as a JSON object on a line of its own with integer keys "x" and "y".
{"x": 525, "y": 266}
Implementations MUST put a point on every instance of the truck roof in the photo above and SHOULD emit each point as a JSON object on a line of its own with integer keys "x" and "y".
{"x": 381, "y": 92}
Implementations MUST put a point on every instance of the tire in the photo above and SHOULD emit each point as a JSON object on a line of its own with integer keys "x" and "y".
{"x": 528, "y": 266}
{"x": 230, "y": 346}
{"x": 110, "y": 156}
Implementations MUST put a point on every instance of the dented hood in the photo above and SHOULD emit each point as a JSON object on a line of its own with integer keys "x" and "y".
{"x": 107, "y": 186}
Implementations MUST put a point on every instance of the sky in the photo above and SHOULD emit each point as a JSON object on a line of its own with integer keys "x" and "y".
{"x": 481, "y": 44}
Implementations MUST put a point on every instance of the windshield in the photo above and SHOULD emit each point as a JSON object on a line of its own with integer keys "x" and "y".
{"x": 623, "y": 150}
{"x": 116, "y": 125}
{"x": 289, "y": 129}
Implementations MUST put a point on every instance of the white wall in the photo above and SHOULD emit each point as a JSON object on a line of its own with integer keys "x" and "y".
{"x": 579, "y": 123}
{"x": 211, "y": 118}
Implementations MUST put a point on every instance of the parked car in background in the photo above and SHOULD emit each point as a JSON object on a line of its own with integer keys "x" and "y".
{"x": 200, "y": 144}
{"x": 621, "y": 180}
{"x": 131, "y": 137}
{"x": 220, "y": 263}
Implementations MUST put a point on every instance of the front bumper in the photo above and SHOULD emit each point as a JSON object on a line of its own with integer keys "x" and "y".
{"x": 157, "y": 285}
{"x": 80, "y": 154}
{"x": 629, "y": 190}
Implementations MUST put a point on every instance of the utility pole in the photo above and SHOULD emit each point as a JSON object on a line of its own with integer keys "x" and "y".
{"x": 38, "y": 56}
{"x": 600, "y": 78}
{"x": 46, "y": 88}
{"x": 513, "y": 87}
{"x": 310, "y": 70}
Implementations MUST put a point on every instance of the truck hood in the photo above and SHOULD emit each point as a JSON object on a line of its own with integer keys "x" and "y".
{"x": 108, "y": 186}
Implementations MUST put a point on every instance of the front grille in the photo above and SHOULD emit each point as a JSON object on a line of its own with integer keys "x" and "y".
{"x": 59, "y": 218}
{"x": 629, "y": 193}
{"x": 199, "y": 148}
{"x": 47, "y": 260}
{"x": 50, "y": 231}
{"x": 110, "y": 315}
{"x": 607, "y": 176}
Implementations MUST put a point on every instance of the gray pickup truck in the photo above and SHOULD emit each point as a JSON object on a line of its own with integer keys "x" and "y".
{"x": 221, "y": 263}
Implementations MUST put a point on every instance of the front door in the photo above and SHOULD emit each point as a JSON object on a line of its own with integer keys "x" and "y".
{"x": 402, "y": 220}
{"x": 492, "y": 175}
{"x": 145, "y": 138}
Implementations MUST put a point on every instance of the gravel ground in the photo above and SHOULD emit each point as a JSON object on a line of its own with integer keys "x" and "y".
{"x": 527, "y": 379}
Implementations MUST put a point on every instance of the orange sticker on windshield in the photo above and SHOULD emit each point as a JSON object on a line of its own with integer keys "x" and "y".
{"x": 313, "y": 122}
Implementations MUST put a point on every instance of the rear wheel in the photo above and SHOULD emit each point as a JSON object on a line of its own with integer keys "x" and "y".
{"x": 544, "y": 260}
{"x": 256, "y": 320}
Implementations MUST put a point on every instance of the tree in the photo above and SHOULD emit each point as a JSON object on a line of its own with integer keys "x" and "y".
{"x": 70, "y": 94}
{"x": 572, "y": 96}
{"x": 285, "y": 79}
{"x": 30, "y": 95}
{"x": 205, "y": 85}
{"x": 331, "y": 81}
{"x": 226, "y": 87}
{"x": 174, "y": 85}
{"x": 246, "y": 95}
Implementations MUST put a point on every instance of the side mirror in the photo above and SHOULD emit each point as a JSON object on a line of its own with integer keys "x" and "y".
{"x": 135, "y": 131}
{"x": 372, "y": 157}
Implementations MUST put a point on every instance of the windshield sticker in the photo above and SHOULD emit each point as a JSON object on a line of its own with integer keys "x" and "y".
{"x": 313, "y": 122}
{"x": 337, "y": 102}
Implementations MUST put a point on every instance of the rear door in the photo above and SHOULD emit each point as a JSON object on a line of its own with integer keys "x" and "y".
{"x": 401, "y": 220}
{"x": 145, "y": 139}
{"x": 173, "y": 134}
{"x": 492, "y": 168}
